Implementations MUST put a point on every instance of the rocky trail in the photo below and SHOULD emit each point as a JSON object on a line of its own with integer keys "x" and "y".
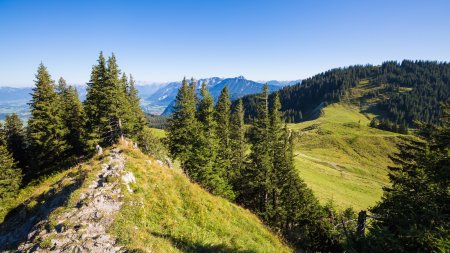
{"x": 78, "y": 228}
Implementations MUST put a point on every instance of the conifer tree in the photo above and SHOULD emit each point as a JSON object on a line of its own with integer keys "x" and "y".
{"x": 205, "y": 113}
{"x": 208, "y": 174}
{"x": 96, "y": 103}
{"x": 257, "y": 174}
{"x": 297, "y": 213}
{"x": 16, "y": 140}
{"x": 138, "y": 119}
{"x": 182, "y": 126}
{"x": 273, "y": 189}
{"x": 73, "y": 116}
{"x": 222, "y": 117}
{"x": 238, "y": 145}
{"x": 277, "y": 151}
{"x": 118, "y": 112}
{"x": 127, "y": 116}
{"x": 414, "y": 210}
{"x": 10, "y": 175}
{"x": 107, "y": 104}
{"x": 124, "y": 83}
{"x": 46, "y": 130}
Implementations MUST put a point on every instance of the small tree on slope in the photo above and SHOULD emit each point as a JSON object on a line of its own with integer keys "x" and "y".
{"x": 10, "y": 175}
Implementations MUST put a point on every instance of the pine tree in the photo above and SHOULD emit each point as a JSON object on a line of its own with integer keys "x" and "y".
{"x": 138, "y": 120}
{"x": 46, "y": 130}
{"x": 222, "y": 117}
{"x": 205, "y": 113}
{"x": 10, "y": 175}
{"x": 209, "y": 175}
{"x": 127, "y": 114}
{"x": 107, "y": 104}
{"x": 74, "y": 117}
{"x": 118, "y": 111}
{"x": 256, "y": 175}
{"x": 237, "y": 144}
{"x": 277, "y": 149}
{"x": 182, "y": 126}
{"x": 16, "y": 140}
{"x": 202, "y": 161}
{"x": 96, "y": 104}
{"x": 272, "y": 187}
{"x": 297, "y": 213}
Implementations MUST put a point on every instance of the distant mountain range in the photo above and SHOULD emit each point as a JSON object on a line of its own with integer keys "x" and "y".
{"x": 237, "y": 86}
{"x": 155, "y": 98}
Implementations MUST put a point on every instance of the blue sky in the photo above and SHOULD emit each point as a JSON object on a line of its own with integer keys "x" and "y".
{"x": 262, "y": 40}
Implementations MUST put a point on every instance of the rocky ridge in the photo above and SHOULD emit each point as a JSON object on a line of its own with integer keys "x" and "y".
{"x": 83, "y": 226}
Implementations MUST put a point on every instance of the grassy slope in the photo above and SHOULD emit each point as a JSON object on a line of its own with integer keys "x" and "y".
{"x": 342, "y": 159}
{"x": 167, "y": 213}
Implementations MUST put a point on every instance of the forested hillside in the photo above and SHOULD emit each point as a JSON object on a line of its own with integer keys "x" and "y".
{"x": 399, "y": 92}
{"x": 78, "y": 170}
{"x": 60, "y": 178}
{"x": 256, "y": 167}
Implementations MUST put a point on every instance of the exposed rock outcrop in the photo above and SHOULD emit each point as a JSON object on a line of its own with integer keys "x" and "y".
{"x": 83, "y": 226}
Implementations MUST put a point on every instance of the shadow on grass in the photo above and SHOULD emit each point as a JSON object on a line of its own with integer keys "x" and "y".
{"x": 197, "y": 247}
{"x": 375, "y": 110}
{"x": 19, "y": 222}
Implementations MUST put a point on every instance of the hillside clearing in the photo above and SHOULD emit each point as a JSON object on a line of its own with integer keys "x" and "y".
{"x": 342, "y": 159}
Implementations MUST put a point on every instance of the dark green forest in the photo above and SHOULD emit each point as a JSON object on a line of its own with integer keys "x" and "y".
{"x": 407, "y": 92}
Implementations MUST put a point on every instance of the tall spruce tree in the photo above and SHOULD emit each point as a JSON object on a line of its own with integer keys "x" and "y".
{"x": 73, "y": 116}
{"x": 211, "y": 176}
{"x": 107, "y": 104}
{"x": 222, "y": 117}
{"x": 10, "y": 175}
{"x": 16, "y": 142}
{"x": 257, "y": 174}
{"x": 118, "y": 114}
{"x": 46, "y": 129}
{"x": 138, "y": 119}
{"x": 96, "y": 103}
{"x": 272, "y": 187}
{"x": 277, "y": 152}
{"x": 127, "y": 116}
{"x": 296, "y": 212}
{"x": 182, "y": 126}
{"x": 205, "y": 113}
{"x": 237, "y": 144}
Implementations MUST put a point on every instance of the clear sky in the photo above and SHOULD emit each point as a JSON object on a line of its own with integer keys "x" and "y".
{"x": 262, "y": 40}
